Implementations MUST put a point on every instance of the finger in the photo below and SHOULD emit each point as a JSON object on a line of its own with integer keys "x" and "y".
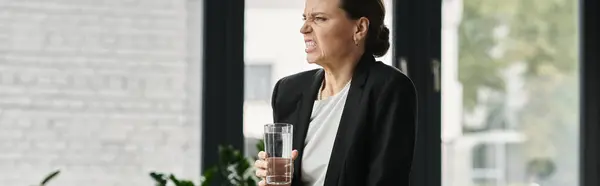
{"x": 261, "y": 164}
{"x": 262, "y": 155}
{"x": 261, "y": 173}
{"x": 262, "y": 183}
{"x": 294, "y": 154}
{"x": 257, "y": 163}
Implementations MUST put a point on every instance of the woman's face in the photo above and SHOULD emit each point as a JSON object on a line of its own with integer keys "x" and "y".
{"x": 329, "y": 34}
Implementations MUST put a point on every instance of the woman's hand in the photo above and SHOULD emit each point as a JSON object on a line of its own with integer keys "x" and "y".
{"x": 261, "y": 166}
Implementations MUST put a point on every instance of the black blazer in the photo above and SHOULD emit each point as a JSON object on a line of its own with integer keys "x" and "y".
{"x": 376, "y": 136}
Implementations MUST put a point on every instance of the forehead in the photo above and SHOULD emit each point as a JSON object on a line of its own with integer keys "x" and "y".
{"x": 327, "y": 6}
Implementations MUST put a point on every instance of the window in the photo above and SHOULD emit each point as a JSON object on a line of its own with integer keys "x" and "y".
{"x": 510, "y": 99}
{"x": 258, "y": 83}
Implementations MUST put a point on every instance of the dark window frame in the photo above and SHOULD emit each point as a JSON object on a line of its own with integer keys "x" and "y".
{"x": 417, "y": 33}
{"x": 589, "y": 161}
{"x": 223, "y": 78}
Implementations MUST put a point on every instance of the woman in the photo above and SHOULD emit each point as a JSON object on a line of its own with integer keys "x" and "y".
{"x": 354, "y": 119}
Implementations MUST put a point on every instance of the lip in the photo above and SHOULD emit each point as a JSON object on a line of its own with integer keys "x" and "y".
{"x": 311, "y": 49}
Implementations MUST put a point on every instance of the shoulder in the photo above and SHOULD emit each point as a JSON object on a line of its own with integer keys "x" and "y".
{"x": 288, "y": 90}
{"x": 292, "y": 86}
{"x": 297, "y": 81}
{"x": 387, "y": 78}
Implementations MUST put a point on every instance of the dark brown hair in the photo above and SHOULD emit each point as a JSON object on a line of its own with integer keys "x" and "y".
{"x": 378, "y": 37}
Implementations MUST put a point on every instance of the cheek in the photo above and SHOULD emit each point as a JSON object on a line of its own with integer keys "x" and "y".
{"x": 333, "y": 39}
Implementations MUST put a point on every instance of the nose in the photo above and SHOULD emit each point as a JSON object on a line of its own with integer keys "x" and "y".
{"x": 305, "y": 29}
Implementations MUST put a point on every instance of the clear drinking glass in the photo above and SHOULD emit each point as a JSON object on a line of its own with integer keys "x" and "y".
{"x": 278, "y": 146}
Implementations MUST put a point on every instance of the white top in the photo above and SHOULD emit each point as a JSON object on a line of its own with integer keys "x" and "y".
{"x": 324, "y": 122}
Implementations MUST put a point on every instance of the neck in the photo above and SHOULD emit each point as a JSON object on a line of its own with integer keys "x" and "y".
{"x": 337, "y": 75}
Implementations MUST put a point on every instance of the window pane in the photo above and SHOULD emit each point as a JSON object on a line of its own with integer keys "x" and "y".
{"x": 273, "y": 39}
{"x": 510, "y": 103}
{"x": 257, "y": 83}
{"x": 105, "y": 91}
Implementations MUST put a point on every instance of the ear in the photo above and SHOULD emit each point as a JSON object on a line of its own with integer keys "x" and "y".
{"x": 362, "y": 27}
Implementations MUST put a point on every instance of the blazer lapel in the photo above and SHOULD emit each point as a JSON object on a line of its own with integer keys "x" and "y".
{"x": 350, "y": 121}
{"x": 301, "y": 128}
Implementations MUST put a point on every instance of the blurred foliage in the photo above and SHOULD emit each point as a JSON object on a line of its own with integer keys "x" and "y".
{"x": 233, "y": 167}
{"x": 543, "y": 35}
{"x": 161, "y": 179}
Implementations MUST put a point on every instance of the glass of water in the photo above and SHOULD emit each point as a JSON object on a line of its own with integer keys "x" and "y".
{"x": 278, "y": 146}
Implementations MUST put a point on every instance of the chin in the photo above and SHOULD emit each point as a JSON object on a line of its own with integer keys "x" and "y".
{"x": 312, "y": 59}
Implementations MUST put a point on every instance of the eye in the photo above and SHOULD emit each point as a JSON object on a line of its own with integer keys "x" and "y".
{"x": 320, "y": 19}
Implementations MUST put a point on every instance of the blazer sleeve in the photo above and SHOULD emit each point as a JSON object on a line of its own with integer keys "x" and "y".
{"x": 274, "y": 100}
{"x": 392, "y": 144}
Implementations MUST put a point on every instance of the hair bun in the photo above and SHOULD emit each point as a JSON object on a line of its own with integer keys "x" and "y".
{"x": 382, "y": 42}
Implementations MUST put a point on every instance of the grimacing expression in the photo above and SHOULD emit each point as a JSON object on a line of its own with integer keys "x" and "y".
{"x": 329, "y": 33}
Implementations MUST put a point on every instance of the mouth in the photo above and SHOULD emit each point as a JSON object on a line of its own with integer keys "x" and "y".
{"x": 310, "y": 45}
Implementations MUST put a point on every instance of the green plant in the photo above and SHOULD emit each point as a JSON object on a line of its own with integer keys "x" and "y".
{"x": 233, "y": 168}
{"x": 260, "y": 146}
{"x": 161, "y": 179}
{"x": 49, "y": 177}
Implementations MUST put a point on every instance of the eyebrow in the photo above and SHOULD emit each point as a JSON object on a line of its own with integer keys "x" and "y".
{"x": 315, "y": 14}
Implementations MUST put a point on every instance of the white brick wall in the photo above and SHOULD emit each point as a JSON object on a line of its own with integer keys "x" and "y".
{"x": 105, "y": 90}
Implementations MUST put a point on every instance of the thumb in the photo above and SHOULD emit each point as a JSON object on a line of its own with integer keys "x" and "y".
{"x": 294, "y": 154}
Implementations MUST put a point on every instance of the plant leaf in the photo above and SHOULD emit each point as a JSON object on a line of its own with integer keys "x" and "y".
{"x": 159, "y": 178}
{"x": 174, "y": 180}
{"x": 50, "y": 177}
{"x": 250, "y": 182}
{"x": 179, "y": 182}
{"x": 242, "y": 166}
{"x": 186, "y": 183}
{"x": 260, "y": 146}
{"x": 208, "y": 176}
